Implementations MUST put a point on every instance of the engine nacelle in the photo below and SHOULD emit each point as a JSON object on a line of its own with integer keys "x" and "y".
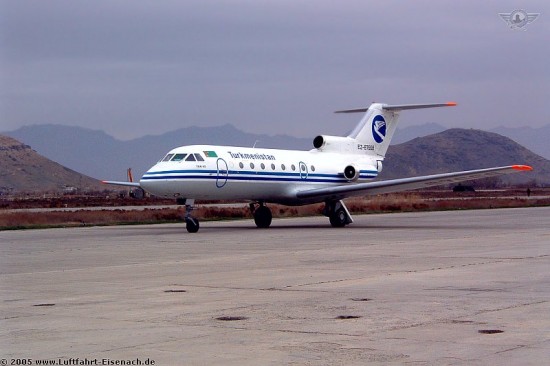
{"x": 351, "y": 173}
{"x": 333, "y": 143}
{"x": 379, "y": 166}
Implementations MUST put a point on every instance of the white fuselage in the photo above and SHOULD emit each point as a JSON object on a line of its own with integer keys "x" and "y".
{"x": 268, "y": 175}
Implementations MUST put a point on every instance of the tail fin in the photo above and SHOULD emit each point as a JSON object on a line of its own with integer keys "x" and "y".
{"x": 378, "y": 125}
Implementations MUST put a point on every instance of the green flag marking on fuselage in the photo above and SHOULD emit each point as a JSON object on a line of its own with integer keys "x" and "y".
{"x": 210, "y": 154}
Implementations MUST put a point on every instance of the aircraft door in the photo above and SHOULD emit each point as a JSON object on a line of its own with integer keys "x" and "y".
{"x": 303, "y": 170}
{"x": 222, "y": 173}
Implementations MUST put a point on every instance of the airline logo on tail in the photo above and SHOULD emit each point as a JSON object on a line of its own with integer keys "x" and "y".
{"x": 378, "y": 128}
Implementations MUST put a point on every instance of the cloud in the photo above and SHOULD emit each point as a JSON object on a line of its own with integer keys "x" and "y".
{"x": 141, "y": 67}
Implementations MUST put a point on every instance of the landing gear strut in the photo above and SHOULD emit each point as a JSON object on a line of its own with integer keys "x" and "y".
{"x": 191, "y": 223}
{"x": 262, "y": 215}
{"x": 337, "y": 213}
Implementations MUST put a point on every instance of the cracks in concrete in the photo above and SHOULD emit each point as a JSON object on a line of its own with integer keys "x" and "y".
{"x": 510, "y": 307}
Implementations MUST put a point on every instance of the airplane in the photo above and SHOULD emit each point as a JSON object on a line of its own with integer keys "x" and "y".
{"x": 336, "y": 168}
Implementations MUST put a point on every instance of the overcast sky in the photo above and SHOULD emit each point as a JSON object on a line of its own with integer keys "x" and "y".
{"x": 133, "y": 67}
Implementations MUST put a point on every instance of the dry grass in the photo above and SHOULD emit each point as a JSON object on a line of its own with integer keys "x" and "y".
{"x": 14, "y": 220}
{"x": 385, "y": 203}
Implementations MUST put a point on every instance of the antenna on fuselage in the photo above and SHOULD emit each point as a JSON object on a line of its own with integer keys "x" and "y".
{"x": 255, "y": 144}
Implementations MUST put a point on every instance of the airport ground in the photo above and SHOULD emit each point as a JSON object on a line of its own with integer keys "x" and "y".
{"x": 424, "y": 288}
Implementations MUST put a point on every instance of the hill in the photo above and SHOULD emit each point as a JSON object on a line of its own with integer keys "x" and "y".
{"x": 24, "y": 170}
{"x": 459, "y": 149}
{"x": 533, "y": 138}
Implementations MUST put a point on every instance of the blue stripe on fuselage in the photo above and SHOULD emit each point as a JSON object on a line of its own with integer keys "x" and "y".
{"x": 254, "y": 175}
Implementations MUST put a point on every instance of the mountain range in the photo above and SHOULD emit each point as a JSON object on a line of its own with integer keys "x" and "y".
{"x": 104, "y": 157}
{"x": 101, "y": 156}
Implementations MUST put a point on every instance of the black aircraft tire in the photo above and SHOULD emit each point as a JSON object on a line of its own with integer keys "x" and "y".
{"x": 338, "y": 218}
{"x": 192, "y": 225}
{"x": 263, "y": 217}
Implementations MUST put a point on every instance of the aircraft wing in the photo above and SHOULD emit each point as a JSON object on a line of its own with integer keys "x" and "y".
{"x": 116, "y": 183}
{"x": 404, "y": 184}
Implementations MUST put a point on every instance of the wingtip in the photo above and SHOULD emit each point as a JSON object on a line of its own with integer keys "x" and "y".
{"x": 522, "y": 167}
{"x": 451, "y": 104}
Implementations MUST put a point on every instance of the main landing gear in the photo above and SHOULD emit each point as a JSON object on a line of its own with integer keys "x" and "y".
{"x": 191, "y": 223}
{"x": 262, "y": 215}
{"x": 337, "y": 213}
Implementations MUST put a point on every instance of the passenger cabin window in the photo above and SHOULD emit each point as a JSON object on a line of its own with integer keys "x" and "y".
{"x": 191, "y": 157}
{"x": 199, "y": 157}
{"x": 179, "y": 157}
{"x": 168, "y": 157}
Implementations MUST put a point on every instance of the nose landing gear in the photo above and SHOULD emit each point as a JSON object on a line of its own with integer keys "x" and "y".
{"x": 191, "y": 223}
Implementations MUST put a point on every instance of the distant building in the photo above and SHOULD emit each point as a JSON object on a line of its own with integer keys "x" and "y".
{"x": 69, "y": 190}
{"x": 462, "y": 188}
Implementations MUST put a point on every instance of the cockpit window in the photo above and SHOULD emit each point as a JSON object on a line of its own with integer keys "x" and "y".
{"x": 179, "y": 157}
{"x": 168, "y": 157}
{"x": 182, "y": 157}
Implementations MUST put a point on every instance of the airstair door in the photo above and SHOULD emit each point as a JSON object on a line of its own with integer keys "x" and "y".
{"x": 222, "y": 173}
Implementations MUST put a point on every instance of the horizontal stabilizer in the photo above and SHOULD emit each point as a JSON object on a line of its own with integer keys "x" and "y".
{"x": 358, "y": 110}
{"x": 400, "y": 107}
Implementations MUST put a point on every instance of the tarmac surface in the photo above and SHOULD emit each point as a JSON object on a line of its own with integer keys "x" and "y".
{"x": 437, "y": 288}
